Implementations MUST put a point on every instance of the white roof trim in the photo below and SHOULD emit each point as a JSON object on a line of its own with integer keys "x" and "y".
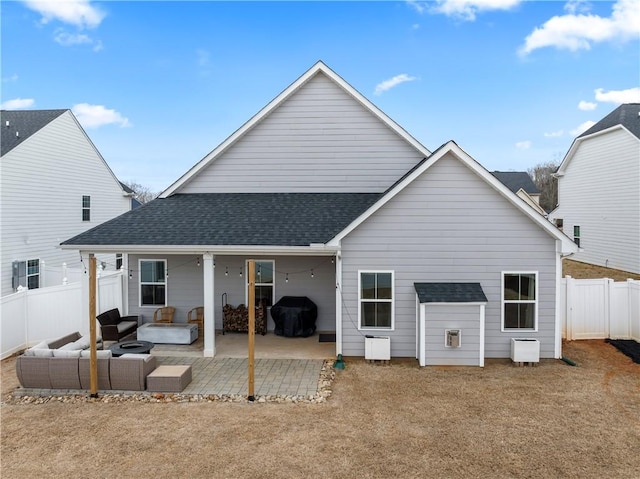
{"x": 199, "y": 249}
{"x": 576, "y": 143}
{"x": 531, "y": 202}
{"x": 568, "y": 246}
{"x": 319, "y": 67}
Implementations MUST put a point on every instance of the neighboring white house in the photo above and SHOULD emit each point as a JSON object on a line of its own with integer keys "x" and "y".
{"x": 599, "y": 191}
{"x": 337, "y": 202}
{"x": 54, "y": 184}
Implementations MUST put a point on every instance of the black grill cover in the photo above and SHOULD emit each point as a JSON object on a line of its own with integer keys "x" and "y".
{"x": 295, "y": 316}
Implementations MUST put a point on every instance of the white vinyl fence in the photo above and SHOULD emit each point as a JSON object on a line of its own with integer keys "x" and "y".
{"x": 600, "y": 308}
{"x": 30, "y": 316}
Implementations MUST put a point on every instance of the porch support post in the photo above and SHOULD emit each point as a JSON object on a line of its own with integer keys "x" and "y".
{"x": 208, "y": 272}
{"x": 338, "y": 302}
{"x": 84, "y": 293}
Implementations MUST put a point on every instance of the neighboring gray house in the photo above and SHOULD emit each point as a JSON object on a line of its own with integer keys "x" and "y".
{"x": 522, "y": 185}
{"x": 338, "y": 203}
{"x": 54, "y": 184}
{"x": 599, "y": 191}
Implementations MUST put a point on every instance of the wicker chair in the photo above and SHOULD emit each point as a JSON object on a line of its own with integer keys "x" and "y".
{"x": 196, "y": 316}
{"x": 164, "y": 314}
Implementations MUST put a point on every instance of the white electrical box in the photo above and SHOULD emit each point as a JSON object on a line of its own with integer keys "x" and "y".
{"x": 377, "y": 348}
{"x": 525, "y": 350}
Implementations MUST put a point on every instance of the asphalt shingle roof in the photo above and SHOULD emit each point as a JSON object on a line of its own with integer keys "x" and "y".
{"x": 24, "y": 122}
{"x": 514, "y": 180}
{"x": 228, "y": 219}
{"x": 450, "y": 293}
{"x": 627, "y": 115}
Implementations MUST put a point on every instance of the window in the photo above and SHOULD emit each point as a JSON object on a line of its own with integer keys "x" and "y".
{"x": 264, "y": 281}
{"x": 520, "y": 300}
{"x": 118, "y": 261}
{"x": 153, "y": 282}
{"x": 375, "y": 297}
{"x": 26, "y": 274}
{"x": 86, "y": 208}
{"x": 576, "y": 235}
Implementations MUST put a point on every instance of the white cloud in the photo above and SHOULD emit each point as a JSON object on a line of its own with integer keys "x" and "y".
{"x": 11, "y": 78}
{"x": 392, "y": 82}
{"x": 17, "y": 103}
{"x": 523, "y": 145}
{"x": 462, "y": 9}
{"x": 94, "y": 116}
{"x": 582, "y": 128}
{"x": 587, "y": 105}
{"x": 554, "y": 134}
{"x": 577, "y": 31}
{"x": 630, "y": 95}
{"x": 74, "y": 12}
{"x": 67, "y": 39}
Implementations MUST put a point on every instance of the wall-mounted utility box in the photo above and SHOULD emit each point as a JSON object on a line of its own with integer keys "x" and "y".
{"x": 377, "y": 348}
{"x": 452, "y": 338}
{"x": 525, "y": 350}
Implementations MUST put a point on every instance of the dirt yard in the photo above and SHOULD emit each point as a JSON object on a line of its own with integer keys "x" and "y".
{"x": 552, "y": 420}
{"x": 578, "y": 270}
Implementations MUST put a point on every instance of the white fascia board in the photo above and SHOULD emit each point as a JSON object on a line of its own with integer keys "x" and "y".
{"x": 451, "y": 147}
{"x": 276, "y": 102}
{"x": 471, "y": 303}
{"x": 576, "y": 143}
{"x": 199, "y": 249}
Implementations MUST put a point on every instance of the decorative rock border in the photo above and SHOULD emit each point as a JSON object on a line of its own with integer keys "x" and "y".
{"x": 325, "y": 383}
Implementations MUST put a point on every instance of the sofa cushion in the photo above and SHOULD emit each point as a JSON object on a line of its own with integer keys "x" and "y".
{"x": 41, "y": 345}
{"x": 69, "y": 338}
{"x": 126, "y": 325}
{"x": 70, "y": 346}
{"x": 101, "y": 354}
{"x": 42, "y": 353}
{"x": 136, "y": 356}
{"x": 66, "y": 353}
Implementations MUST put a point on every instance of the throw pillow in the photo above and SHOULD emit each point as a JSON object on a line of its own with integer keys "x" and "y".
{"x": 43, "y": 353}
{"x": 65, "y": 353}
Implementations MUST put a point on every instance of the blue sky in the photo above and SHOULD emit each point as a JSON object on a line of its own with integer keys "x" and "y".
{"x": 157, "y": 85}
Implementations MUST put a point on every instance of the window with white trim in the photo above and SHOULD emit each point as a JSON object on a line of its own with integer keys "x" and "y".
{"x": 576, "y": 235}
{"x": 376, "y": 299}
{"x": 153, "y": 282}
{"x": 520, "y": 301}
{"x": 119, "y": 261}
{"x": 86, "y": 208}
{"x": 264, "y": 280}
{"x": 26, "y": 274}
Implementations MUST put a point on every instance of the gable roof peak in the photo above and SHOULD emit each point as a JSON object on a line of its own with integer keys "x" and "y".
{"x": 626, "y": 115}
{"x": 319, "y": 66}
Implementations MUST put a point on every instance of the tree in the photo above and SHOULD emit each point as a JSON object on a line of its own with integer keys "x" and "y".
{"x": 143, "y": 193}
{"x": 541, "y": 175}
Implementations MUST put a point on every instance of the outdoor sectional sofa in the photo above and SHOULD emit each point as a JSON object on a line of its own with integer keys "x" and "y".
{"x": 55, "y": 365}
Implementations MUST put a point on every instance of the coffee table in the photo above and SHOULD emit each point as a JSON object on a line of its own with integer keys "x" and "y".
{"x": 132, "y": 347}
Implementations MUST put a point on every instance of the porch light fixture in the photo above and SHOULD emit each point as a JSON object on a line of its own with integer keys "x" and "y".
{"x": 312, "y": 272}
{"x": 241, "y": 271}
{"x": 226, "y": 271}
{"x": 130, "y": 274}
{"x": 198, "y": 261}
{"x": 286, "y": 278}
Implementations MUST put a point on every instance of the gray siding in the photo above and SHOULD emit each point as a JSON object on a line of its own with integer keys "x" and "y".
{"x": 42, "y": 184}
{"x": 319, "y": 140}
{"x": 600, "y": 192}
{"x": 448, "y": 225}
{"x": 439, "y": 318}
{"x": 185, "y": 285}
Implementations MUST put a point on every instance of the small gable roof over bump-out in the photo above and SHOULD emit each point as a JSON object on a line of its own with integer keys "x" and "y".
{"x": 450, "y": 293}
{"x": 22, "y": 124}
{"x": 516, "y": 180}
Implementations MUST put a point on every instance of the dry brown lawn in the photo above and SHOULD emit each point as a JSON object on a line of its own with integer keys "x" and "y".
{"x": 579, "y": 270}
{"x": 397, "y": 421}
